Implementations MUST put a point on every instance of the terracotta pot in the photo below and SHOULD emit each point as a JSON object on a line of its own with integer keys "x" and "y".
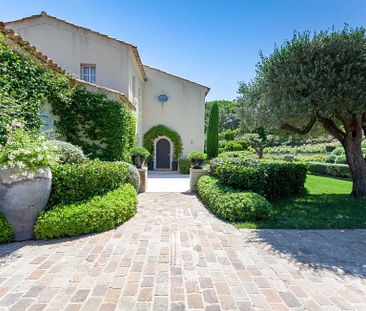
{"x": 22, "y": 198}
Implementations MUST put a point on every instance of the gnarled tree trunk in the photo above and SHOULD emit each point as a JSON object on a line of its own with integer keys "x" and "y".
{"x": 352, "y": 146}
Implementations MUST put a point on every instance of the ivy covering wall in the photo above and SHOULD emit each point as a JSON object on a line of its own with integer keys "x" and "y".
{"x": 24, "y": 89}
{"x": 161, "y": 130}
{"x": 102, "y": 128}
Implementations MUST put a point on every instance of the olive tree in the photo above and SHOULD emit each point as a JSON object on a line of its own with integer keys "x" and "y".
{"x": 310, "y": 79}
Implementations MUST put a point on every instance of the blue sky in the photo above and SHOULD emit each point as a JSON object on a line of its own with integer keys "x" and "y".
{"x": 215, "y": 43}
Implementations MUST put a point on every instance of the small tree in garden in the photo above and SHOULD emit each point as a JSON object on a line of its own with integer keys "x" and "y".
{"x": 258, "y": 141}
{"x": 213, "y": 132}
{"x": 315, "y": 78}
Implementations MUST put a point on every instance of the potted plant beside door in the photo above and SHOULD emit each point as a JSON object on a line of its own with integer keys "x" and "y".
{"x": 197, "y": 159}
{"x": 138, "y": 156}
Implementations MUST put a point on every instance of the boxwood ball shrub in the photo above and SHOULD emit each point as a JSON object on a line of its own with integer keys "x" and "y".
{"x": 232, "y": 204}
{"x": 98, "y": 214}
{"x": 66, "y": 152}
{"x": 133, "y": 176}
{"x": 76, "y": 182}
{"x": 269, "y": 178}
{"x": 184, "y": 166}
{"x": 6, "y": 230}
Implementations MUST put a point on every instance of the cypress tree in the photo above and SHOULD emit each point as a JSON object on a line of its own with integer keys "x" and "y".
{"x": 213, "y": 132}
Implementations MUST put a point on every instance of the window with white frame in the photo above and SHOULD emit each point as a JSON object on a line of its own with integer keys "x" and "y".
{"x": 88, "y": 73}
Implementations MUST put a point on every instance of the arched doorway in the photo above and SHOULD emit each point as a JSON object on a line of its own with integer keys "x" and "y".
{"x": 163, "y": 154}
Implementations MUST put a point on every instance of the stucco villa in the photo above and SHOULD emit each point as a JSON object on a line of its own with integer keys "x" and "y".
{"x": 114, "y": 67}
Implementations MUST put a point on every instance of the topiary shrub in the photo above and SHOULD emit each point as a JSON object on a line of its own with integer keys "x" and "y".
{"x": 99, "y": 214}
{"x": 272, "y": 179}
{"x": 133, "y": 176}
{"x": 231, "y": 204}
{"x": 184, "y": 166}
{"x": 212, "y": 140}
{"x": 330, "y": 169}
{"x": 231, "y": 145}
{"x": 6, "y": 230}
{"x": 76, "y": 182}
{"x": 161, "y": 130}
{"x": 66, "y": 152}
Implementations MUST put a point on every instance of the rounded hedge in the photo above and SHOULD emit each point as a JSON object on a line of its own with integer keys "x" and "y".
{"x": 133, "y": 176}
{"x": 99, "y": 214}
{"x": 272, "y": 179}
{"x": 161, "y": 130}
{"x": 231, "y": 204}
{"x": 76, "y": 182}
{"x": 6, "y": 230}
{"x": 66, "y": 152}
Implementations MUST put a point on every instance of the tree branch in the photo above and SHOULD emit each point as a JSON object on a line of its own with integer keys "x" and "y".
{"x": 332, "y": 128}
{"x": 305, "y": 130}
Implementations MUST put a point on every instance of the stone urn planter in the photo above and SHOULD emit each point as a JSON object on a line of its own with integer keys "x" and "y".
{"x": 22, "y": 198}
{"x": 138, "y": 160}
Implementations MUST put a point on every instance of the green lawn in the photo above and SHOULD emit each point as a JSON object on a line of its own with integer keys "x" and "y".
{"x": 326, "y": 205}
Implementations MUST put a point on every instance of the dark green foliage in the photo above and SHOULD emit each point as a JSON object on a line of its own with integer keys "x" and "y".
{"x": 24, "y": 88}
{"x": 6, "y": 230}
{"x": 76, "y": 182}
{"x": 212, "y": 141}
{"x": 330, "y": 169}
{"x": 162, "y": 130}
{"x": 270, "y": 179}
{"x": 184, "y": 166}
{"x": 98, "y": 214}
{"x": 66, "y": 152}
{"x": 230, "y": 204}
{"x": 89, "y": 118}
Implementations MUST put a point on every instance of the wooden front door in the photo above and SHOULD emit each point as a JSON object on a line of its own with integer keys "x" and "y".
{"x": 163, "y": 154}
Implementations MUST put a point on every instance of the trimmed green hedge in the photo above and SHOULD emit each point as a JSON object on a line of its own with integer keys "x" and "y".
{"x": 77, "y": 182}
{"x": 99, "y": 214}
{"x": 6, "y": 230}
{"x": 231, "y": 204}
{"x": 270, "y": 179}
{"x": 184, "y": 166}
{"x": 162, "y": 130}
{"x": 330, "y": 169}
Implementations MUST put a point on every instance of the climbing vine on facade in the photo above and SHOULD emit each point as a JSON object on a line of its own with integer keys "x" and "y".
{"x": 161, "y": 130}
{"x": 103, "y": 128}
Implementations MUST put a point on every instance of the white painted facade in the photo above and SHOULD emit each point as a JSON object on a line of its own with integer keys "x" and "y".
{"x": 118, "y": 67}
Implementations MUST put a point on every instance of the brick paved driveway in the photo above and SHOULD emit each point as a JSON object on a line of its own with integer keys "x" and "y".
{"x": 175, "y": 255}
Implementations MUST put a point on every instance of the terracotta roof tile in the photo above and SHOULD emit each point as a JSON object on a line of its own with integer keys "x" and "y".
{"x": 134, "y": 48}
{"x": 11, "y": 35}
